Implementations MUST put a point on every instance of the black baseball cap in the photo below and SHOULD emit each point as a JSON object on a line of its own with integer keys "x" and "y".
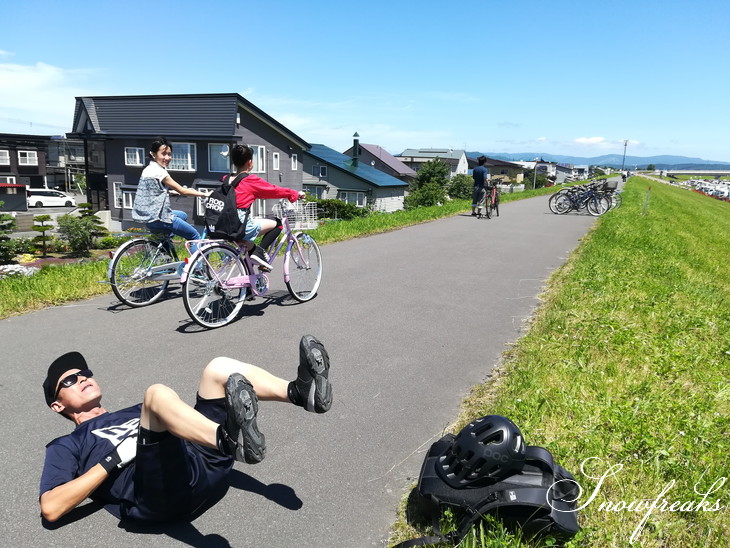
{"x": 70, "y": 360}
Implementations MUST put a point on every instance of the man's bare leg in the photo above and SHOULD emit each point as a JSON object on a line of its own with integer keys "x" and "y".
{"x": 163, "y": 410}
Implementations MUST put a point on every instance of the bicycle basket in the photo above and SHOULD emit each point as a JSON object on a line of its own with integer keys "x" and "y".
{"x": 301, "y": 216}
{"x": 611, "y": 185}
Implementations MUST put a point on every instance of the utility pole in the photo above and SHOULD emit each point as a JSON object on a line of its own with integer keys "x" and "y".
{"x": 626, "y": 142}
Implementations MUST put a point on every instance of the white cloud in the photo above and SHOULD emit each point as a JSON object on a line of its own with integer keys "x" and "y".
{"x": 38, "y": 96}
{"x": 592, "y": 141}
{"x": 4, "y": 53}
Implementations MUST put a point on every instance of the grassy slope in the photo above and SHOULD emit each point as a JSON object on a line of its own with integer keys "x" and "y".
{"x": 627, "y": 362}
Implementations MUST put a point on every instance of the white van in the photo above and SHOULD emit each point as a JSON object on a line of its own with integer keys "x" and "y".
{"x": 43, "y": 197}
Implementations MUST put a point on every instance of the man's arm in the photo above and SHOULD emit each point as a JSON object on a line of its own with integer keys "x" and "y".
{"x": 64, "y": 498}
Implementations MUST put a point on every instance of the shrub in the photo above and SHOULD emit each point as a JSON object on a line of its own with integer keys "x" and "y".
{"x": 461, "y": 187}
{"x": 337, "y": 209}
{"x": 111, "y": 242}
{"x": 430, "y": 194}
{"x": 80, "y": 232}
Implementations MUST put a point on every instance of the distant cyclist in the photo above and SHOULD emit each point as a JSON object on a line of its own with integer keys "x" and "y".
{"x": 481, "y": 180}
{"x": 152, "y": 202}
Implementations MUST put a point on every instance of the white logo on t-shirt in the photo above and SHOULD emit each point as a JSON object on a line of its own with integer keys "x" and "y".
{"x": 117, "y": 433}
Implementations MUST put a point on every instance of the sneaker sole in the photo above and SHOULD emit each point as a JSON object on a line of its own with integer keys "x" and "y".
{"x": 314, "y": 359}
{"x": 242, "y": 407}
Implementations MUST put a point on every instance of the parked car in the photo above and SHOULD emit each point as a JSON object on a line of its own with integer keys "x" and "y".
{"x": 42, "y": 197}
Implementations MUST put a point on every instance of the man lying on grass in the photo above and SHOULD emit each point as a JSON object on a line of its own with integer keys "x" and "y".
{"x": 162, "y": 459}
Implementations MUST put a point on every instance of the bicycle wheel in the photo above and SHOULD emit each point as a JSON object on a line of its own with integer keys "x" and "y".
{"x": 598, "y": 205}
{"x": 303, "y": 265}
{"x": 128, "y": 273}
{"x": 488, "y": 206}
{"x": 495, "y": 205}
{"x": 563, "y": 204}
{"x": 616, "y": 200}
{"x": 553, "y": 198}
{"x": 206, "y": 300}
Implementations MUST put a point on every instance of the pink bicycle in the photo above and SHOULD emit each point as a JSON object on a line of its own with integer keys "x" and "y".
{"x": 220, "y": 276}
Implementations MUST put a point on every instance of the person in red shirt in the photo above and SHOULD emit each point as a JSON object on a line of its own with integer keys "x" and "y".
{"x": 249, "y": 189}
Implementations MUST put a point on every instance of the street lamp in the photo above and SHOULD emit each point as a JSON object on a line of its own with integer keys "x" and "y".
{"x": 534, "y": 175}
{"x": 626, "y": 142}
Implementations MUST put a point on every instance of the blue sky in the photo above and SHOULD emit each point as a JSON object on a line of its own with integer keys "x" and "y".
{"x": 562, "y": 77}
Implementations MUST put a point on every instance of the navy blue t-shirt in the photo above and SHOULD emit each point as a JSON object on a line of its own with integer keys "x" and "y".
{"x": 72, "y": 455}
{"x": 481, "y": 175}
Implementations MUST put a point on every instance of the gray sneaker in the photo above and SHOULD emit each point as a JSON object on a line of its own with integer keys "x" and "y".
{"x": 312, "y": 380}
{"x": 245, "y": 441}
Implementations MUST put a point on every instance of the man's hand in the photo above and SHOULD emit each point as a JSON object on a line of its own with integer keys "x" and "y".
{"x": 122, "y": 455}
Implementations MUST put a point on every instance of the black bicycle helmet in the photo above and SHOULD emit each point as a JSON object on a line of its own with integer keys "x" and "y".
{"x": 487, "y": 450}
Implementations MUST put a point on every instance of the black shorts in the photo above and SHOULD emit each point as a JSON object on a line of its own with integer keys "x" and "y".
{"x": 173, "y": 478}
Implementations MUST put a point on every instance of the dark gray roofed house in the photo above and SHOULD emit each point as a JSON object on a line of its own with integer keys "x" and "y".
{"x": 201, "y": 128}
{"x": 381, "y": 159}
{"x": 330, "y": 174}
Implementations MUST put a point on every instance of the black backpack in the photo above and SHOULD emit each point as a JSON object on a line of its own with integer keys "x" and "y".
{"x": 221, "y": 214}
{"x": 530, "y": 500}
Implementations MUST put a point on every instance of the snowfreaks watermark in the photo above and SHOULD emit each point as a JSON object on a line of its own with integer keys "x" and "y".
{"x": 708, "y": 497}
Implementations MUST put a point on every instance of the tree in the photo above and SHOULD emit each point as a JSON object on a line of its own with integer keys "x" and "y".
{"x": 651, "y": 167}
{"x": 429, "y": 186}
{"x": 42, "y": 228}
{"x": 80, "y": 181}
{"x": 7, "y": 251}
{"x": 435, "y": 171}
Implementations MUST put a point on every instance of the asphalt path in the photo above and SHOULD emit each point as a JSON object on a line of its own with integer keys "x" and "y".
{"x": 411, "y": 319}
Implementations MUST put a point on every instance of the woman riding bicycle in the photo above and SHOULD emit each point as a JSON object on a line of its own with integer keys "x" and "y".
{"x": 249, "y": 189}
{"x": 152, "y": 202}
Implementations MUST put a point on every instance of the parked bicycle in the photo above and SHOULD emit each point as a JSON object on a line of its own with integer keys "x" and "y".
{"x": 141, "y": 269}
{"x": 220, "y": 276}
{"x": 588, "y": 196}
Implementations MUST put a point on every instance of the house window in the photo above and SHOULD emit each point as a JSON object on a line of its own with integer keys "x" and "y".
{"x": 275, "y": 161}
{"x": 294, "y": 162}
{"x": 183, "y": 157}
{"x": 118, "y": 203}
{"x": 259, "y": 159}
{"x": 319, "y": 171}
{"x": 7, "y": 180}
{"x": 4, "y": 157}
{"x": 315, "y": 190}
{"x": 357, "y": 198}
{"x": 128, "y": 199}
{"x": 27, "y": 158}
{"x": 133, "y": 156}
{"x": 218, "y": 158}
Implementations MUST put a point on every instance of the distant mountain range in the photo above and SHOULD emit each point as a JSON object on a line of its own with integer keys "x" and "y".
{"x": 610, "y": 160}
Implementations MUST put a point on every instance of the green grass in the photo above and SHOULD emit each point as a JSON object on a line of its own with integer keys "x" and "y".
{"x": 58, "y": 284}
{"x": 53, "y": 285}
{"x": 627, "y": 361}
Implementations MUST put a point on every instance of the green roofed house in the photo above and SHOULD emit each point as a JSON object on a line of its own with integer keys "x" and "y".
{"x": 328, "y": 174}
{"x": 416, "y": 157}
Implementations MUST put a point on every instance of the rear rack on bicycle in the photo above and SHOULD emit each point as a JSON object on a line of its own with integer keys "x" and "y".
{"x": 301, "y": 215}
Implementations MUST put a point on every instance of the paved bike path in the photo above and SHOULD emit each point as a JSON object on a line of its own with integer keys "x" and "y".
{"x": 411, "y": 318}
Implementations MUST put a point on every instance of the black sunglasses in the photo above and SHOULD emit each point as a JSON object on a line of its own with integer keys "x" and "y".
{"x": 72, "y": 379}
